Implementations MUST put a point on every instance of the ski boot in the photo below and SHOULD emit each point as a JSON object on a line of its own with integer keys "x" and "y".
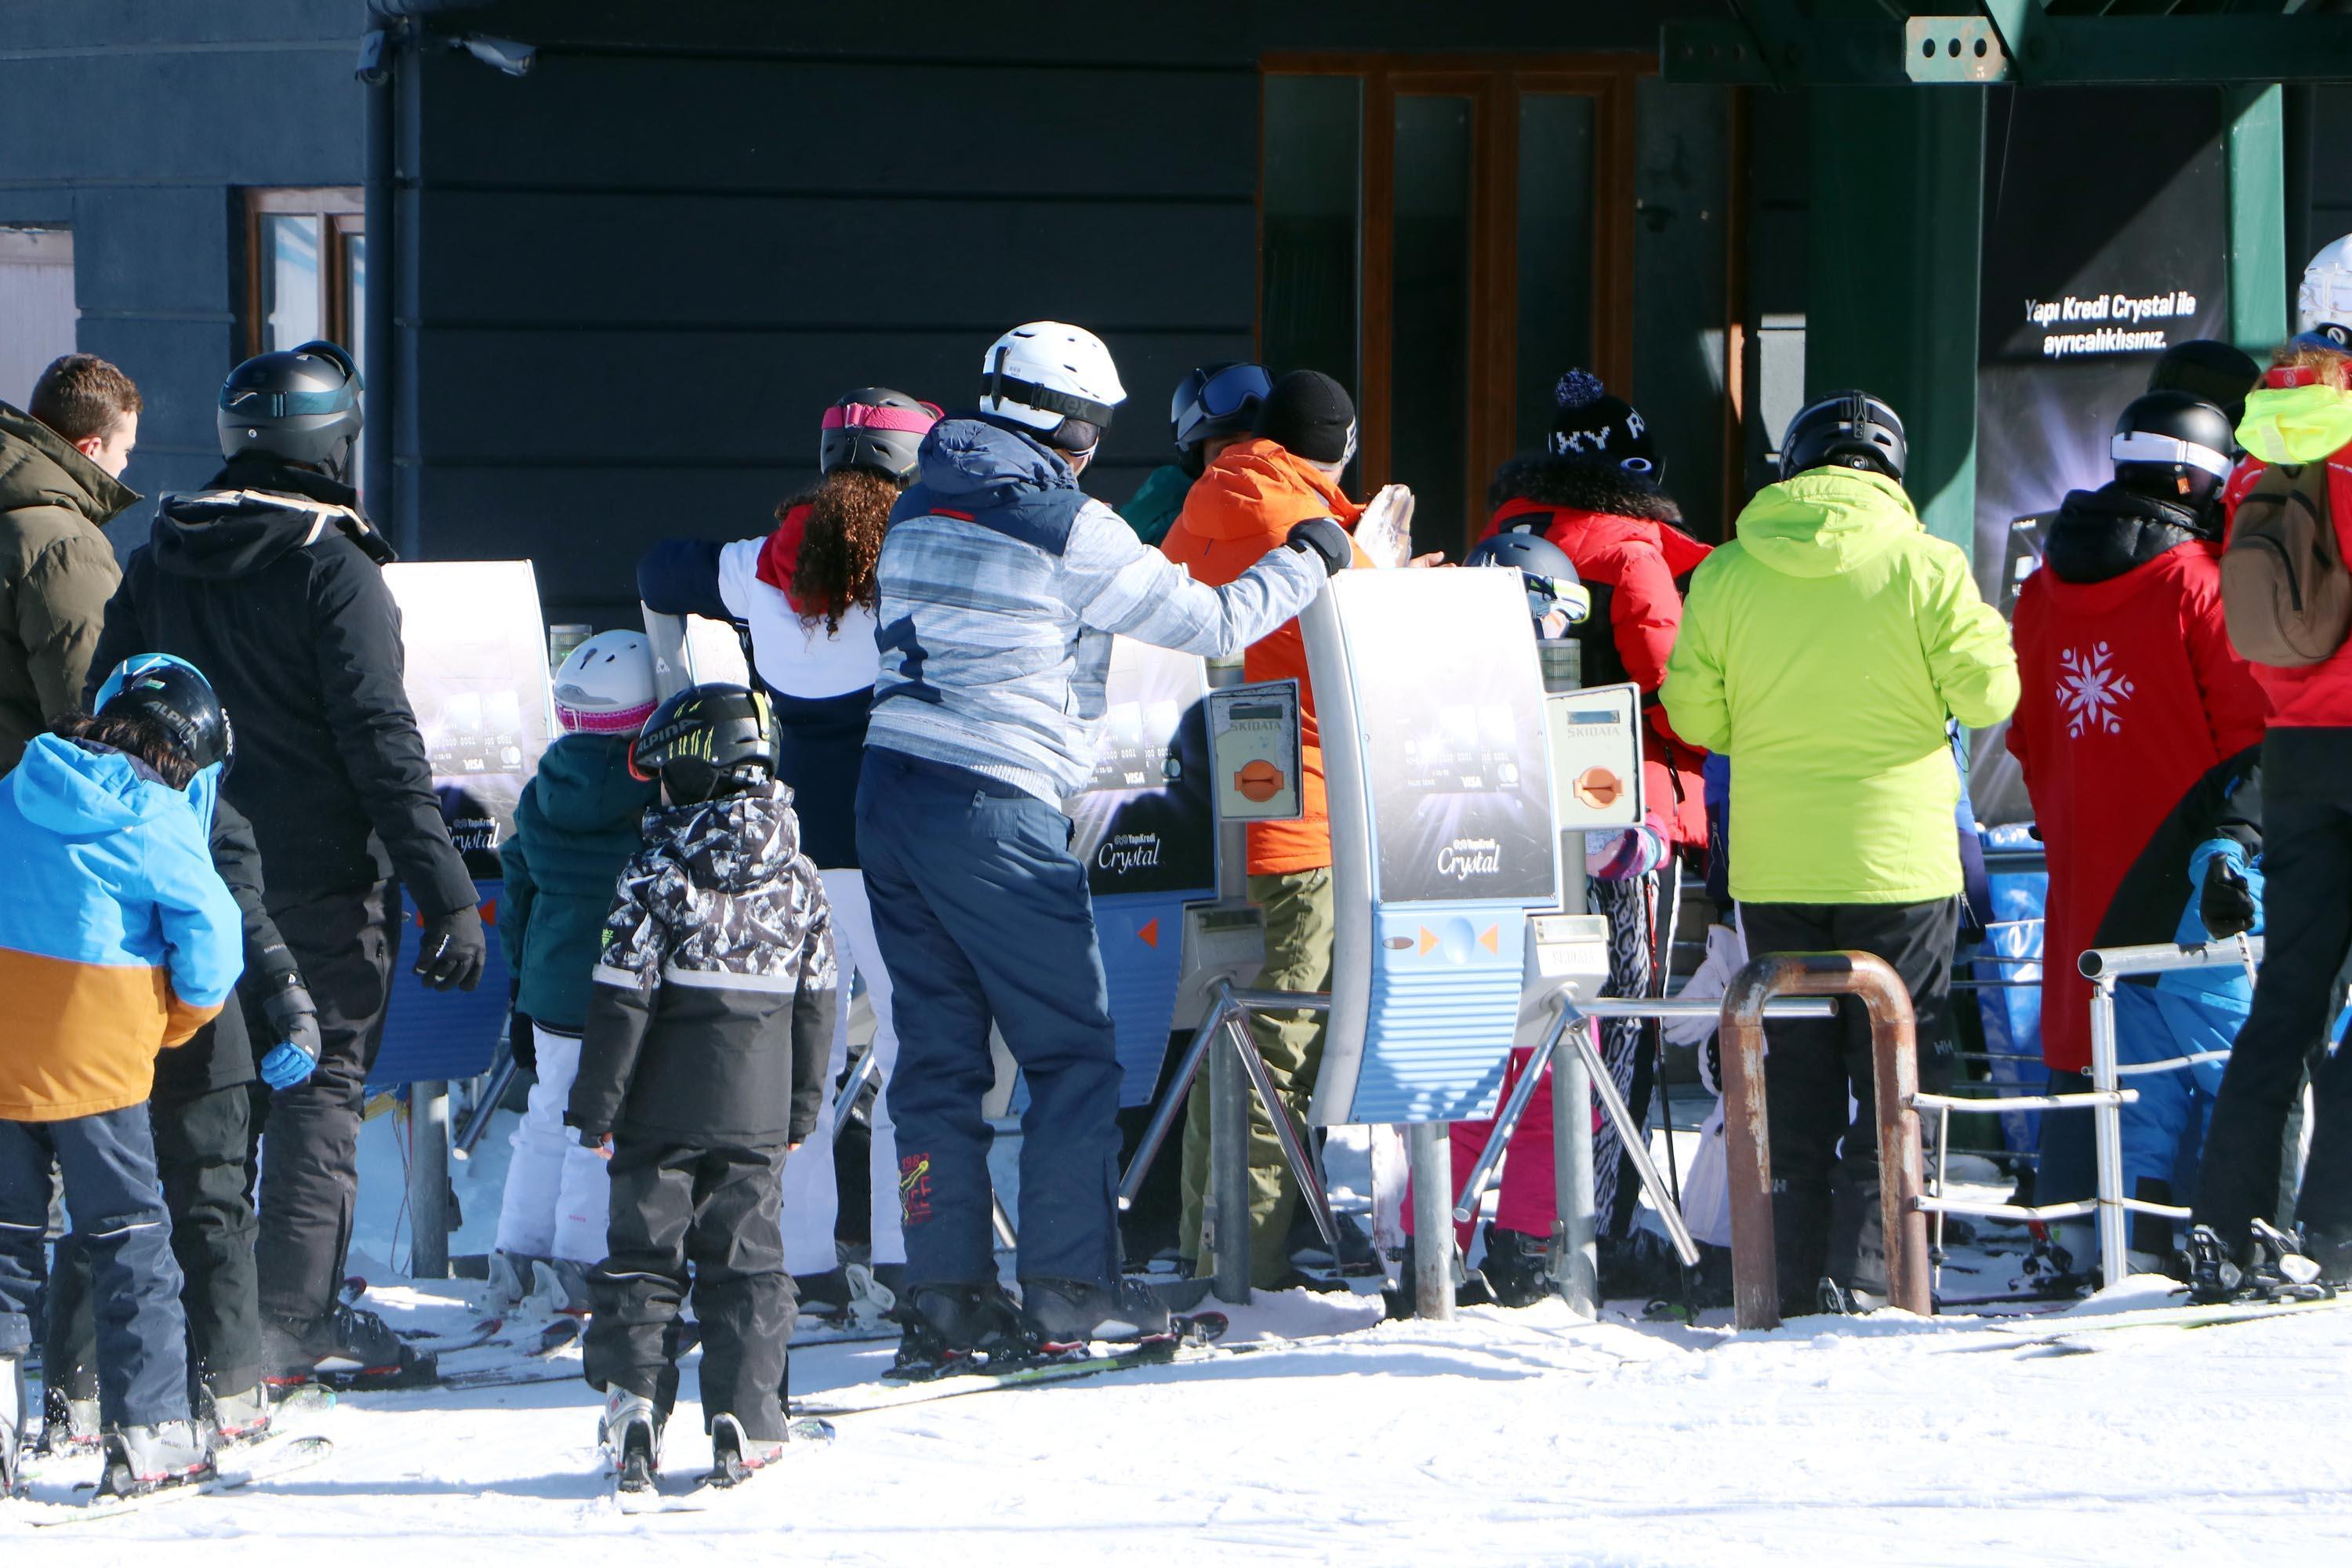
{"x": 564, "y": 1284}
{"x": 956, "y": 1328}
{"x": 147, "y": 1458}
{"x": 69, "y": 1425}
{"x": 2269, "y": 1267}
{"x": 1517, "y": 1267}
{"x": 14, "y": 1412}
{"x": 1059, "y": 1316}
{"x": 734, "y": 1458}
{"x": 1846, "y": 1301}
{"x": 2050, "y": 1270}
{"x": 630, "y": 1433}
{"x": 823, "y": 1297}
{"x": 235, "y": 1419}
{"x": 512, "y": 1279}
{"x": 347, "y": 1347}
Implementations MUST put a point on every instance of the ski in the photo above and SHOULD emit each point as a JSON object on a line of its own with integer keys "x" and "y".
{"x": 538, "y": 1364}
{"x": 702, "y": 1493}
{"x": 1210, "y": 1327}
{"x": 2044, "y": 1332}
{"x": 262, "y": 1462}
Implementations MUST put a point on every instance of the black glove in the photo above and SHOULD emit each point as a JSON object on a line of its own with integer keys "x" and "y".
{"x": 452, "y": 951}
{"x": 521, "y": 1044}
{"x": 1326, "y": 541}
{"x": 592, "y": 1138}
{"x": 2227, "y": 904}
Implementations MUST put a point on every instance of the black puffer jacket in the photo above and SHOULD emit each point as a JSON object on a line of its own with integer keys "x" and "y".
{"x": 2105, "y": 532}
{"x": 222, "y": 1053}
{"x": 711, "y": 1016}
{"x": 269, "y": 581}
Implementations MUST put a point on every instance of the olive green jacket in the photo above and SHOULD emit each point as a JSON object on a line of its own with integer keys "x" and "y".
{"x": 57, "y": 572}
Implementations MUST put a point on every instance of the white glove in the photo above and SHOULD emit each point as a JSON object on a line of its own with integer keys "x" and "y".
{"x": 1385, "y": 531}
{"x": 1726, "y": 953}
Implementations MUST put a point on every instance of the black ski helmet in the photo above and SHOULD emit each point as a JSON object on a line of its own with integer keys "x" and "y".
{"x": 1850, "y": 429}
{"x": 2222, "y": 373}
{"x": 173, "y": 695}
{"x": 1217, "y": 400}
{"x": 300, "y": 404}
{"x": 1552, "y": 581}
{"x": 705, "y": 741}
{"x": 875, "y": 427}
{"x": 2171, "y": 447}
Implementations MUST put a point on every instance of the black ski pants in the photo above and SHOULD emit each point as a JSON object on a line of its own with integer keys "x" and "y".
{"x": 2306, "y": 933}
{"x": 703, "y": 1219}
{"x": 202, "y": 1155}
{"x": 346, "y": 942}
{"x": 1826, "y": 1216}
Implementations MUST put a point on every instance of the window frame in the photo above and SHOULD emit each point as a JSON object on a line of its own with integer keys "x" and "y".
{"x": 1493, "y": 84}
{"x": 341, "y": 211}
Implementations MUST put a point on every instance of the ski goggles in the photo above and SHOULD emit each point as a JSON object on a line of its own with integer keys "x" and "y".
{"x": 1221, "y": 394}
{"x": 2147, "y": 447}
{"x": 1546, "y": 595}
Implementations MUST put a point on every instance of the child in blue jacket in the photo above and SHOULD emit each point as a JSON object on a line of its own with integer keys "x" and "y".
{"x": 117, "y": 937}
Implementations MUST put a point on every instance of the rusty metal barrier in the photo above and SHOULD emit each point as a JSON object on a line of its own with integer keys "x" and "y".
{"x": 1755, "y": 1272}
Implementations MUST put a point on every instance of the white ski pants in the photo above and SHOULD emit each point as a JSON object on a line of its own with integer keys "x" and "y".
{"x": 811, "y": 1202}
{"x": 558, "y": 1193}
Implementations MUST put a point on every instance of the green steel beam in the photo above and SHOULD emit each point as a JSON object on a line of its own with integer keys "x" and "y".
{"x": 2078, "y": 51}
{"x": 1893, "y": 251}
{"x": 2258, "y": 259}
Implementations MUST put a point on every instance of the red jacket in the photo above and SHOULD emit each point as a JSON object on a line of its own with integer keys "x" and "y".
{"x": 2131, "y": 694}
{"x": 1637, "y": 560}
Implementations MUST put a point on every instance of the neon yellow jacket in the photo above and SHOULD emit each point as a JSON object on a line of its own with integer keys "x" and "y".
{"x": 1822, "y": 651}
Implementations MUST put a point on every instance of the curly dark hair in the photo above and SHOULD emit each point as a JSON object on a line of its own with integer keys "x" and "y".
{"x": 848, "y": 512}
{"x": 134, "y": 735}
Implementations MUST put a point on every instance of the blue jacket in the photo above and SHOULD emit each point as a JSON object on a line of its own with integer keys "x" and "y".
{"x": 116, "y": 934}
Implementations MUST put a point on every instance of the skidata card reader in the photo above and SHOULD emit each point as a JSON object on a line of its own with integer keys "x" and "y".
{"x": 1444, "y": 839}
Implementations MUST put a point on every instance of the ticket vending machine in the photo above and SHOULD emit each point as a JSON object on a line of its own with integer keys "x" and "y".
{"x": 1145, "y": 828}
{"x": 1444, "y": 835}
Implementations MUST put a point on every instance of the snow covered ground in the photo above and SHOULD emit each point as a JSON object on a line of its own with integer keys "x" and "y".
{"x": 1505, "y": 1437}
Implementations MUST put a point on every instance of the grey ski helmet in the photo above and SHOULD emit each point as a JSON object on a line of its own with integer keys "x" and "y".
{"x": 1849, "y": 429}
{"x": 1552, "y": 581}
{"x": 300, "y": 404}
{"x": 875, "y": 427}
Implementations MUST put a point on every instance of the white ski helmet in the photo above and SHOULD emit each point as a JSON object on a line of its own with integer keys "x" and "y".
{"x": 2324, "y": 303}
{"x": 1053, "y": 378}
{"x": 606, "y": 686}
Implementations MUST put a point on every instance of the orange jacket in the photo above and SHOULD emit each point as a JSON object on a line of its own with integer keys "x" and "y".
{"x": 1242, "y": 506}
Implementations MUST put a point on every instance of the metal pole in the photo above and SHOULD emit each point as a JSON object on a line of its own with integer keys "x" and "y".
{"x": 478, "y": 1120}
{"x": 1748, "y": 1150}
{"x": 2107, "y": 1124}
{"x": 1577, "y": 1238}
{"x": 1225, "y": 1228}
{"x": 1636, "y": 1141}
{"x": 1285, "y": 1131}
{"x": 1902, "y": 1177}
{"x": 846, "y": 1100}
{"x": 1507, "y": 1122}
{"x": 428, "y": 1181}
{"x": 1430, "y": 1155}
{"x": 1003, "y": 1222}
{"x": 1171, "y": 1103}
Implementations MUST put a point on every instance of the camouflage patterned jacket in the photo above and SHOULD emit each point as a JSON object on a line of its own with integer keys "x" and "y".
{"x": 711, "y": 1016}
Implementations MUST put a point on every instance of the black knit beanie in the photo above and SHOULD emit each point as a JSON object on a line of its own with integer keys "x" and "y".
{"x": 1311, "y": 415}
{"x": 2219, "y": 373}
{"x": 1593, "y": 427}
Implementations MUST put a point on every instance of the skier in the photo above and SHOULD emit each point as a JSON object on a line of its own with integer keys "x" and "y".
{"x": 1518, "y": 1239}
{"x": 270, "y": 580}
{"x": 2300, "y": 419}
{"x": 1214, "y": 407}
{"x": 1597, "y": 492}
{"x": 1826, "y": 650}
{"x": 2133, "y": 706}
{"x": 804, "y": 596}
{"x": 200, "y": 1112}
{"x": 117, "y": 937}
{"x": 1001, "y": 583}
{"x": 575, "y": 826}
{"x": 703, "y": 1068}
{"x": 1245, "y": 503}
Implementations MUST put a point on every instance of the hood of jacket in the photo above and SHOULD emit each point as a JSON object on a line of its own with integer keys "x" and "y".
{"x": 254, "y": 511}
{"x": 1259, "y": 488}
{"x": 2101, "y": 534}
{"x": 585, "y": 784}
{"x": 1563, "y": 484}
{"x": 2296, "y": 424}
{"x": 980, "y": 463}
{"x": 1826, "y": 522}
{"x": 1599, "y": 530}
{"x": 737, "y": 843}
{"x": 78, "y": 791}
{"x": 40, "y": 468}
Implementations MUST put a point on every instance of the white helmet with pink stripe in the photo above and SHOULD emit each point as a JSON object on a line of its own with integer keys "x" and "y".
{"x": 606, "y": 687}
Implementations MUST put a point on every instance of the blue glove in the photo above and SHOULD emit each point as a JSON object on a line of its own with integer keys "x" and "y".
{"x": 287, "y": 1064}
